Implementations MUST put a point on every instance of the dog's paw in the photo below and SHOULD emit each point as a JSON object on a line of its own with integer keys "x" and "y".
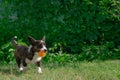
{"x": 39, "y": 70}
{"x": 20, "y": 69}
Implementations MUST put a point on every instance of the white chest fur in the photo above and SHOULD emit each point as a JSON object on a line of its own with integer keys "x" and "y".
{"x": 34, "y": 60}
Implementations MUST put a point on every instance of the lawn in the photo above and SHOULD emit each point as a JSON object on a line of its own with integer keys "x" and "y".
{"x": 95, "y": 70}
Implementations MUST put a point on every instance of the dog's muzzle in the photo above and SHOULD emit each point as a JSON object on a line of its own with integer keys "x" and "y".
{"x": 44, "y": 49}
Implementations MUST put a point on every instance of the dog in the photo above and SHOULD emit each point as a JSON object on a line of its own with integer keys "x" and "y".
{"x": 25, "y": 54}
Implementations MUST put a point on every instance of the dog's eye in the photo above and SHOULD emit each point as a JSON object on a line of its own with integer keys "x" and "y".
{"x": 39, "y": 46}
{"x": 44, "y": 44}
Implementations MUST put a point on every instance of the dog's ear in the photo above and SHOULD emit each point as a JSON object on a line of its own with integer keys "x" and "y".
{"x": 31, "y": 40}
{"x": 44, "y": 38}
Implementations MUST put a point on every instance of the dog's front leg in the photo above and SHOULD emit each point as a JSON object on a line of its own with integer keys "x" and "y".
{"x": 39, "y": 67}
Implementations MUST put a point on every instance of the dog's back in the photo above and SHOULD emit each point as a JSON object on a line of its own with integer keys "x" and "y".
{"x": 21, "y": 51}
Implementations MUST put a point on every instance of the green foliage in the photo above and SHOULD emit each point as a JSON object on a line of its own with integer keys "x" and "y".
{"x": 7, "y": 52}
{"x": 69, "y": 25}
{"x": 89, "y": 53}
{"x": 101, "y": 52}
{"x": 62, "y": 58}
{"x": 69, "y": 22}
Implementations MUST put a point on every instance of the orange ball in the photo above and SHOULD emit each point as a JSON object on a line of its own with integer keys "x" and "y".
{"x": 42, "y": 53}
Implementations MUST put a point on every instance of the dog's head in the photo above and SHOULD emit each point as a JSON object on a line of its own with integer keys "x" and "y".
{"x": 37, "y": 45}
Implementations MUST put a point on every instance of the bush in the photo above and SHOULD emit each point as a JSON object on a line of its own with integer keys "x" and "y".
{"x": 89, "y": 53}
{"x": 7, "y": 52}
{"x": 69, "y": 25}
{"x": 101, "y": 52}
{"x": 72, "y": 23}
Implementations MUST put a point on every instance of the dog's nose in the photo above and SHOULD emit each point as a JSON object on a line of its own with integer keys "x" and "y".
{"x": 45, "y": 50}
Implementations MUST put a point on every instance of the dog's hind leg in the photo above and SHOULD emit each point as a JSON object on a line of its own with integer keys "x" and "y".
{"x": 24, "y": 64}
{"x": 19, "y": 64}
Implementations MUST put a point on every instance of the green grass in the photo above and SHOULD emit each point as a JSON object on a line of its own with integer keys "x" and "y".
{"x": 96, "y": 70}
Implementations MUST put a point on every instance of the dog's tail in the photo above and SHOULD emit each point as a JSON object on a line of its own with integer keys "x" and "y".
{"x": 14, "y": 42}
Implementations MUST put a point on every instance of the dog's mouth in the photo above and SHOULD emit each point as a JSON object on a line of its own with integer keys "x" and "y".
{"x": 42, "y": 51}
